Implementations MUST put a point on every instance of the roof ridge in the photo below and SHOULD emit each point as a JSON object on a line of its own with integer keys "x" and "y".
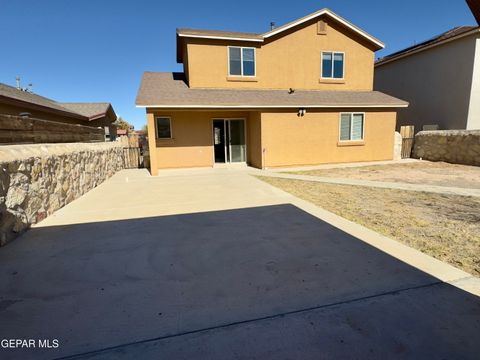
{"x": 261, "y": 37}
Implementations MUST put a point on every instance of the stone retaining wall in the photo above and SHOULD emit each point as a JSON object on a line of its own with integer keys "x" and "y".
{"x": 453, "y": 146}
{"x": 36, "y": 180}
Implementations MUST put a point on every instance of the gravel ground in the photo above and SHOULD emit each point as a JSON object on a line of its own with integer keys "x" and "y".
{"x": 446, "y": 227}
{"x": 423, "y": 172}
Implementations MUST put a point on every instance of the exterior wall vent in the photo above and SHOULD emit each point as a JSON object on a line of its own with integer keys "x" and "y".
{"x": 321, "y": 27}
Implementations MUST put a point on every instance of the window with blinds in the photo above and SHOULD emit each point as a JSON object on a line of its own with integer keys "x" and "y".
{"x": 241, "y": 61}
{"x": 333, "y": 65}
{"x": 351, "y": 126}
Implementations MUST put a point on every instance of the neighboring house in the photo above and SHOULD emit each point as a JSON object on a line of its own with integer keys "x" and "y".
{"x": 440, "y": 78}
{"x": 121, "y": 132}
{"x": 15, "y": 101}
{"x": 299, "y": 94}
{"x": 99, "y": 115}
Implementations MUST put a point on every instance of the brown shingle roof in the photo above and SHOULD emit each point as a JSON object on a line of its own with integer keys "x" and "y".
{"x": 84, "y": 111}
{"x": 88, "y": 109}
{"x": 169, "y": 90}
{"x": 11, "y": 92}
{"x": 436, "y": 40}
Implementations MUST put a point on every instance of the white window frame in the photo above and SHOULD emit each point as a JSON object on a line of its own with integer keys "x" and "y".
{"x": 333, "y": 55}
{"x": 156, "y": 127}
{"x": 241, "y": 60}
{"x": 351, "y": 126}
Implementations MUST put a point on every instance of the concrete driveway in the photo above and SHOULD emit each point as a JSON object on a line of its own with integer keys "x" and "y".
{"x": 215, "y": 264}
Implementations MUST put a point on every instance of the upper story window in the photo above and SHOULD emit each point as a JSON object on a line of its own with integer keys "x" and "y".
{"x": 333, "y": 65}
{"x": 241, "y": 61}
{"x": 351, "y": 126}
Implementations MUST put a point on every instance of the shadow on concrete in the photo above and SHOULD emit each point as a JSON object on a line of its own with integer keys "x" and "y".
{"x": 264, "y": 282}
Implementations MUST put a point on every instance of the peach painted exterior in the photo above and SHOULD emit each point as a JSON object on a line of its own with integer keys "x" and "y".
{"x": 314, "y": 138}
{"x": 290, "y": 59}
{"x": 277, "y": 137}
{"x": 274, "y": 138}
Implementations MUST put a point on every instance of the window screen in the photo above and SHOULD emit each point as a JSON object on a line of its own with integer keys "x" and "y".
{"x": 248, "y": 58}
{"x": 235, "y": 61}
{"x": 327, "y": 65}
{"x": 345, "y": 127}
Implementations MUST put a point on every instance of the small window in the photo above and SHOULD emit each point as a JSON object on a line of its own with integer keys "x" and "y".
{"x": 332, "y": 65}
{"x": 241, "y": 61}
{"x": 164, "y": 128}
{"x": 351, "y": 126}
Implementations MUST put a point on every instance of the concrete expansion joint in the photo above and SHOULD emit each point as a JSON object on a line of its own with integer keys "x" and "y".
{"x": 269, "y": 317}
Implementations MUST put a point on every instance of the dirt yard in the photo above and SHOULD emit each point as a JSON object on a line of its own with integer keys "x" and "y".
{"x": 422, "y": 172}
{"x": 446, "y": 227}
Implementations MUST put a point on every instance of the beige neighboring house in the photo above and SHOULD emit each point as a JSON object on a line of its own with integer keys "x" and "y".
{"x": 15, "y": 101}
{"x": 99, "y": 115}
{"x": 440, "y": 78}
{"x": 299, "y": 94}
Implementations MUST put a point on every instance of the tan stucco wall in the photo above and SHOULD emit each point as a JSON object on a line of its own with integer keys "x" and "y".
{"x": 192, "y": 138}
{"x": 254, "y": 139}
{"x": 289, "y": 140}
{"x": 292, "y": 59}
{"x": 274, "y": 138}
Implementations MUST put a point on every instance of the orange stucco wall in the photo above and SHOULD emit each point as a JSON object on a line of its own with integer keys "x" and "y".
{"x": 192, "y": 138}
{"x": 254, "y": 139}
{"x": 291, "y": 59}
{"x": 289, "y": 140}
{"x": 274, "y": 138}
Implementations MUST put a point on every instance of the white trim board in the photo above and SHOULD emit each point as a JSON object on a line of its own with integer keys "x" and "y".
{"x": 219, "y": 37}
{"x": 325, "y": 11}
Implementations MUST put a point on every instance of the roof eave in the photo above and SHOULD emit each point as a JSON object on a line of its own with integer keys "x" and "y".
{"x": 267, "y": 106}
{"x": 29, "y": 105}
{"x": 321, "y": 12}
{"x": 427, "y": 47}
{"x": 109, "y": 112}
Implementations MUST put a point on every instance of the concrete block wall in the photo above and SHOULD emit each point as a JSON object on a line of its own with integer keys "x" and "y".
{"x": 38, "y": 179}
{"x": 453, "y": 146}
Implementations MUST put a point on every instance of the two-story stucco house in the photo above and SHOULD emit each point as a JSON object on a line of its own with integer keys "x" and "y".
{"x": 299, "y": 94}
{"x": 439, "y": 77}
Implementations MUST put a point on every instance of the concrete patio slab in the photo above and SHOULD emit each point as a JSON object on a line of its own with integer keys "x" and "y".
{"x": 217, "y": 264}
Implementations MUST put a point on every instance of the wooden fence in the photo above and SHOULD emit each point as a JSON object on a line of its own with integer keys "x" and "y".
{"x": 27, "y": 130}
{"x": 131, "y": 151}
{"x": 408, "y": 134}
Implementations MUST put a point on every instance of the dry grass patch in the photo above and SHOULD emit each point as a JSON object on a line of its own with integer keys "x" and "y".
{"x": 422, "y": 172}
{"x": 446, "y": 227}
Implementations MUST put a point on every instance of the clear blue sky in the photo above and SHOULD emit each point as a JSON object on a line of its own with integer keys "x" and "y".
{"x": 86, "y": 50}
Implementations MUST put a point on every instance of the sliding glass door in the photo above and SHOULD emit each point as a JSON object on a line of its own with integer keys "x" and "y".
{"x": 237, "y": 140}
{"x": 229, "y": 140}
